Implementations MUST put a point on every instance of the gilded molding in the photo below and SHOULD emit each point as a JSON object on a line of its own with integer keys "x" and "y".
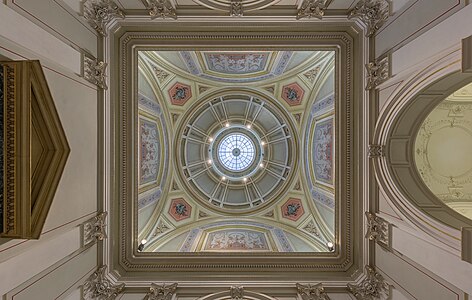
{"x": 378, "y": 230}
{"x": 236, "y": 8}
{"x": 374, "y": 13}
{"x": 98, "y": 287}
{"x": 371, "y": 288}
{"x": 160, "y": 9}
{"x": 312, "y": 8}
{"x": 376, "y": 151}
{"x": 94, "y": 229}
{"x": 378, "y": 71}
{"x": 161, "y": 292}
{"x": 94, "y": 71}
{"x": 99, "y": 12}
{"x": 312, "y": 292}
{"x": 236, "y": 292}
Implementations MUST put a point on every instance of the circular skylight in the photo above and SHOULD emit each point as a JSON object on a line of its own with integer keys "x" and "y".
{"x": 236, "y": 152}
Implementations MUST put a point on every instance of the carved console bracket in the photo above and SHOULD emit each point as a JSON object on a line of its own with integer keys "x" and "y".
{"x": 160, "y": 9}
{"x": 99, "y": 12}
{"x": 376, "y": 151}
{"x": 94, "y": 229}
{"x": 312, "y": 292}
{"x": 98, "y": 287}
{"x": 371, "y": 288}
{"x": 378, "y": 71}
{"x": 374, "y": 13}
{"x": 161, "y": 292}
{"x": 94, "y": 71}
{"x": 236, "y": 292}
{"x": 378, "y": 230}
{"x": 312, "y": 8}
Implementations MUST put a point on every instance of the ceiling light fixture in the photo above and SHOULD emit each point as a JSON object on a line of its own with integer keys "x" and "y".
{"x": 209, "y": 161}
{"x": 141, "y": 245}
{"x": 245, "y": 179}
{"x": 223, "y": 178}
{"x": 248, "y": 126}
{"x": 261, "y": 165}
{"x": 210, "y": 139}
{"x": 262, "y": 143}
{"x": 330, "y": 246}
{"x": 227, "y": 125}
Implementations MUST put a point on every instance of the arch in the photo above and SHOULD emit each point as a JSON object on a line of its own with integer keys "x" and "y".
{"x": 396, "y": 130}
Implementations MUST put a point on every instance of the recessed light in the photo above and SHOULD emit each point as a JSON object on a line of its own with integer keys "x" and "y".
{"x": 261, "y": 165}
{"x": 244, "y": 179}
{"x": 227, "y": 125}
{"x": 262, "y": 143}
{"x": 248, "y": 126}
{"x": 210, "y": 139}
{"x": 223, "y": 178}
{"x": 209, "y": 161}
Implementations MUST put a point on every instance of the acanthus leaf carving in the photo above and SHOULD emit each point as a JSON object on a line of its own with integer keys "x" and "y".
{"x": 94, "y": 71}
{"x": 312, "y": 8}
{"x": 94, "y": 229}
{"x": 161, "y": 292}
{"x": 99, "y": 12}
{"x": 378, "y": 230}
{"x": 371, "y": 288}
{"x": 160, "y": 9}
{"x": 236, "y": 8}
{"x": 374, "y": 13}
{"x": 378, "y": 71}
{"x": 376, "y": 151}
{"x": 98, "y": 287}
{"x": 236, "y": 292}
{"x": 312, "y": 292}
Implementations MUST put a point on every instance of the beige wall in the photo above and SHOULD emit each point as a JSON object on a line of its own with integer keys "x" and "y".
{"x": 56, "y": 264}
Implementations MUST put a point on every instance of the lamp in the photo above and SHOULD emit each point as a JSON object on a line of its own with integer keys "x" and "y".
{"x": 141, "y": 245}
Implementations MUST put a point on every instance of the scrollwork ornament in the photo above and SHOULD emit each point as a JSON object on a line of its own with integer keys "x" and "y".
{"x": 94, "y": 72}
{"x": 160, "y": 9}
{"x": 376, "y": 151}
{"x": 161, "y": 292}
{"x": 312, "y": 8}
{"x": 374, "y": 13}
{"x": 371, "y": 288}
{"x": 378, "y": 71}
{"x": 236, "y": 292}
{"x": 312, "y": 292}
{"x": 94, "y": 229}
{"x": 378, "y": 229}
{"x": 99, "y": 12}
{"x": 98, "y": 287}
{"x": 236, "y": 8}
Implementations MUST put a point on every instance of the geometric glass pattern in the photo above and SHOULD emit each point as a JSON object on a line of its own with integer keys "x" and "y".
{"x": 236, "y": 152}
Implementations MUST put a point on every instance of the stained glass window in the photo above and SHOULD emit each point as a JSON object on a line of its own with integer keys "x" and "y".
{"x": 236, "y": 152}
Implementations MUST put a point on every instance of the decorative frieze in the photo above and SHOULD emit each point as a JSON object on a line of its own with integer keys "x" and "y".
{"x": 378, "y": 71}
{"x": 374, "y": 13}
{"x": 236, "y": 292}
{"x": 94, "y": 229}
{"x": 98, "y": 287}
{"x": 236, "y": 8}
{"x": 312, "y": 8}
{"x": 376, "y": 151}
{"x": 378, "y": 230}
{"x": 160, "y": 9}
{"x": 93, "y": 71}
{"x": 161, "y": 292}
{"x": 99, "y": 12}
{"x": 371, "y": 288}
{"x": 312, "y": 292}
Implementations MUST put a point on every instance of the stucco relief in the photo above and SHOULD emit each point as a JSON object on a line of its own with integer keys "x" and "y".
{"x": 323, "y": 151}
{"x": 236, "y": 240}
{"x": 236, "y": 63}
{"x": 148, "y": 151}
{"x": 442, "y": 150}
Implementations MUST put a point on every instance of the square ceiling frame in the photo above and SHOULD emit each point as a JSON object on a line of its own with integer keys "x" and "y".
{"x": 353, "y": 179}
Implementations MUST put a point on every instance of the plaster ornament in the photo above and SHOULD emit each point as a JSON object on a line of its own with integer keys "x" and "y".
{"x": 94, "y": 229}
{"x": 377, "y": 73}
{"x": 161, "y": 292}
{"x": 378, "y": 229}
{"x": 94, "y": 72}
{"x": 312, "y": 8}
{"x": 99, "y": 12}
{"x": 312, "y": 74}
{"x": 236, "y": 8}
{"x": 160, "y": 9}
{"x": 312, "y": 292}
{"x": 374, "y": 13}
{"x": 161, "y": 75}
{"x": 371, "y": 288}
{"x": 236, "y": 292}
{"x": 376, "y": 151}
{"x": 160, "y": 228}
{"x": 311, "y": 228}
{"x": 98, "y": 287}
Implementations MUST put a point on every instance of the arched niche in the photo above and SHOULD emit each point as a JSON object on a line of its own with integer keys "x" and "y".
{"x": 396, "y": 131}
